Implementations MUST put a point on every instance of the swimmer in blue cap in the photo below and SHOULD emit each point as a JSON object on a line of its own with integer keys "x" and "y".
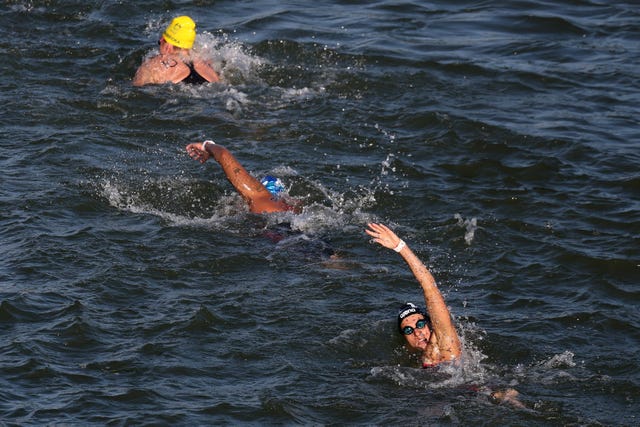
{"x": 262, "y": 197}
{"x": 431, "y": 331}
{"x": 273, "y": 186}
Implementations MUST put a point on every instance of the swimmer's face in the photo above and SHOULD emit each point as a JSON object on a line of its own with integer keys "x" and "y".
{"x": 164, "y": 47}
{"x": 419, "y": 328}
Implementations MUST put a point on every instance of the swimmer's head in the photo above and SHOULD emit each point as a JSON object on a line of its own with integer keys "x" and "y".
{"x": 415, "y": 326}
{"x": 273, "y": 185}
{"x": 181, "y": 32}
{"x": 407, "y": 310}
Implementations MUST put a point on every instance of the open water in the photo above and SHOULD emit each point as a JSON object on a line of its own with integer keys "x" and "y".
{"x": 501, "y": 140}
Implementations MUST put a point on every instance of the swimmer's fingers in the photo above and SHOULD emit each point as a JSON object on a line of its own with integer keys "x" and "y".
{"x": 192, "y": 150}
{"x": 379, "y": 228}
{"x": 196, "y": 153}
{"x": 374, "y": 235}
{"x": 375, "y": 230}
{"x": 383, "y": 235}
{"x": 371, "y": 233}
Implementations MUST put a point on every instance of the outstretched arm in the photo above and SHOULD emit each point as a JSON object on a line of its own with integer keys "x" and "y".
{"x": 447, "y": 344}
{"x": 256, "y": 195}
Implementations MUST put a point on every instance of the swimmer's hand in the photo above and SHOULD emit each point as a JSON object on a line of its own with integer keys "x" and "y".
{"x": 197, "y": 153}
{"x": 383, "y": 235}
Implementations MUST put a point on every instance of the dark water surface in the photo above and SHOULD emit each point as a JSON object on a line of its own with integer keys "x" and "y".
{"x": 500, "y": 139}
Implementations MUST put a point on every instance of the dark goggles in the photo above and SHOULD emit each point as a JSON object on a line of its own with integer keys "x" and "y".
{"x": 408, "y": 330}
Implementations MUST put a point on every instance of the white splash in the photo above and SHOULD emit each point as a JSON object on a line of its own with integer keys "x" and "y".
{"x": 124, "y": 199}
{"x": 470, "y": 225}
{"x": 229, "y": 57}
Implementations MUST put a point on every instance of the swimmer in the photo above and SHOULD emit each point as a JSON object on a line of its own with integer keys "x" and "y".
{"x": 261, "y": 196}
{"x": 432, "y": 331}
{"x": 176, "y": 62}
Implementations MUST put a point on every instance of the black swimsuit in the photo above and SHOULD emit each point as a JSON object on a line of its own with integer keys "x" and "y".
{"x": 194, "y": 78}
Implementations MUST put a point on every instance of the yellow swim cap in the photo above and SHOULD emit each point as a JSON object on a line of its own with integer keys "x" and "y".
{"x": 181, "y": 32}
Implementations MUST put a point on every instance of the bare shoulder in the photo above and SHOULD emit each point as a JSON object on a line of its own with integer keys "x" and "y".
{"x": 161, "y": 69}
{"x": 205, "y": 69}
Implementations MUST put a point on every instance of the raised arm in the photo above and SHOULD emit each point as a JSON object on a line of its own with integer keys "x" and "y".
{"x": 444, "y": 344}
{"x": 256, "y": 195}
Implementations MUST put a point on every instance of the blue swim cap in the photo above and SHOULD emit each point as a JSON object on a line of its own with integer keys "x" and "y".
{"x": 273, "y": 184}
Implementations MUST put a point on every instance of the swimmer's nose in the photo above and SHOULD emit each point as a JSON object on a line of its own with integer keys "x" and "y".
{"x": 421, "y": 333}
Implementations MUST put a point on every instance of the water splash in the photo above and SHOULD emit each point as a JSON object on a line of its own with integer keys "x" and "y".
{"x": 470, "y": 370}
{"x": 136, "y": 200}
{"x": 563, "y": 360}
{"x": 470, "y": 226}
{"x": 182, "y": 202}
{"x": 230, "y": 57}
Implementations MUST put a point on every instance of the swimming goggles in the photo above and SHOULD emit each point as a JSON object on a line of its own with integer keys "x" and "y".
{"x": 408, "y": 330}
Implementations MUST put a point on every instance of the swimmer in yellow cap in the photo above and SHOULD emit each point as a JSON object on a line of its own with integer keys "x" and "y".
{"x": 176, "y": 62}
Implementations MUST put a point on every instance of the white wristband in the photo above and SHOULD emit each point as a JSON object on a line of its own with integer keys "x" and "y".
{"x": 204, "y": 144}
{"x": 400, "y": 246}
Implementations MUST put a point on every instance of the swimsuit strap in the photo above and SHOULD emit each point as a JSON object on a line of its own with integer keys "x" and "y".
{"x": 193, "y": 78}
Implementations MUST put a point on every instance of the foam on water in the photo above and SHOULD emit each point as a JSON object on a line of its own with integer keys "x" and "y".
{"x": 230, "y": 57}
{"x": 168, "y": 197}
{"x": 470, "y": 225}
{"x": 122, "y": 197}
{"x": 182, "y": 201}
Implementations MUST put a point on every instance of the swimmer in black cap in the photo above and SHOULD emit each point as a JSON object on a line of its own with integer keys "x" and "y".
{"x": 431, "y": 332}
